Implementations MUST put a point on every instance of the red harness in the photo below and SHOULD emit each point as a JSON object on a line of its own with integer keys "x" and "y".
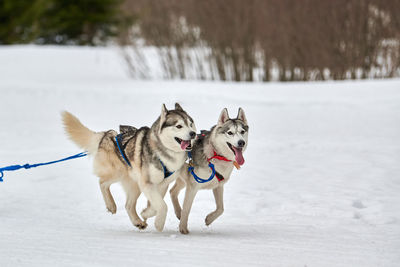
{"x": 216, "y": 156}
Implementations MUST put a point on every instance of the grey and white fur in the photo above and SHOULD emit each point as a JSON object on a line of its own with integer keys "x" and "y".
{"x": 229, "y": 139}
{"x": 167, "y": 140}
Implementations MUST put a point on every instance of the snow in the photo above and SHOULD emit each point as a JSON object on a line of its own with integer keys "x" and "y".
{"x": 320, "y": 186}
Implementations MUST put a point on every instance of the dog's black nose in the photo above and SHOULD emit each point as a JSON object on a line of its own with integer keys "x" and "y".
{"x": 241, "y": 143}
{"x": 192, "y": 135}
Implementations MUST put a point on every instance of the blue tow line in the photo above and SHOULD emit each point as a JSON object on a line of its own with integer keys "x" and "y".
{"x": 28, "y": 166}
{"x": 197, "y": 178}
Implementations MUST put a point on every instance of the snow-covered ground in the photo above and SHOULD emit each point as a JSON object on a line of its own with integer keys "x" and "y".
{"x": 320, "y": 186}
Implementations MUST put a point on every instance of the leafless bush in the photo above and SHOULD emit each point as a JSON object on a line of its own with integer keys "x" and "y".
{"x": 284, "y": 40}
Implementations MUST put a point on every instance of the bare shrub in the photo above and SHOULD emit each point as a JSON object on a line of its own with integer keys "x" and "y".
{"x": 265, "y": 40}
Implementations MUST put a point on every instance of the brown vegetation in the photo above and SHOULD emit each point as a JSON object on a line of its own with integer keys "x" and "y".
{"x": 286, "y": 40}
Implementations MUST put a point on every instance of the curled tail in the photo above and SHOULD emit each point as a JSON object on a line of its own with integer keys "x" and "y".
{"x": 80, "y": 134}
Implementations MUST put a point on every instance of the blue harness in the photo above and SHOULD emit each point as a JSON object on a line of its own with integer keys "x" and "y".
{"x": 122, "y": 151}
{"x": 167, "y": 173}
{"x": 197, "y": 178}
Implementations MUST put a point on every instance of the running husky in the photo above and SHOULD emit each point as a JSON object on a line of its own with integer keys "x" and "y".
{"x": 214, "y": 153}
{"x": 143, "y": 160}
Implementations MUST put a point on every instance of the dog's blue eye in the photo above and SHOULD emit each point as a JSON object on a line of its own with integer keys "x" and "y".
{"x": 179, "y": 126}
{"x": 230, "y": 133}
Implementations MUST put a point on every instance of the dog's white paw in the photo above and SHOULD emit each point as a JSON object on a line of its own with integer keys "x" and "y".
{"x": 112, "y": 208}
{"x": 183, "y": 230}
{"x": 159, "y": 224}
{"x": 213, "y": 216}
{"x": 148, "y": 213}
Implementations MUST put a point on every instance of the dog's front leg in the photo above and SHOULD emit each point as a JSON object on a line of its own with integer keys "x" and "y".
{"x": 149, "y": 212}
{"x": 187, "y": 205}
{"x": 219, "y": 201}
{"x": 157, "y": 202}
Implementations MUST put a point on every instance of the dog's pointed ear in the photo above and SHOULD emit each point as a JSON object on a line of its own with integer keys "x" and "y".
{"x": 178, "y": 107}
{"x": 241, "y": 116}
{"x": 164, "y": 110}
{"x": 163, "y": 116}
{"x": 223, "y": 117}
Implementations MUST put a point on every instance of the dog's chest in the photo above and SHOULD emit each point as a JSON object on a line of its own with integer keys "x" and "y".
{"x": 177, "y": 162}
{"x": 223, "y": 173}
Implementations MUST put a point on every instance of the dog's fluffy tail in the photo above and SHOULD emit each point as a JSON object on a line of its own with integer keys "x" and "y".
{"x": 80, "y": 134}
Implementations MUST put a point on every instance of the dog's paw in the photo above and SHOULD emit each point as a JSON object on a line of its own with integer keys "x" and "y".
{"x": 178, "y": 214}
{"x": 159, "y": 226}
{"x": 148, "y": 213}
{"x": 112, "y": 208}
{"x": 141, "y": 225}
{"x": 213, "y": 216}
{"x": 159, "y": 223}
{"x": 183, "y": 230}
{"x": 209, "y": 219}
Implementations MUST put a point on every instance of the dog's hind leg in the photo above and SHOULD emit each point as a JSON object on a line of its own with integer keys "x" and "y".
{"x": 149, "y": 212}
{"x": 132, "y": 194}
{"x": 108, "y": 198}
{"x": 219, "y": 201}
{"x": 174, "y": 192}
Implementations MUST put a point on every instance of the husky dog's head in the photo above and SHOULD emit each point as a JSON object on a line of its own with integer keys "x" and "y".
{"x": 176, "y": 129}
{"x": 231, "y": 136}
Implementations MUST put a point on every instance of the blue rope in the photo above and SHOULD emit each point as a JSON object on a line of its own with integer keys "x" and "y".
{"x": 197, "y": 178}
{"x": 28, "y": 166}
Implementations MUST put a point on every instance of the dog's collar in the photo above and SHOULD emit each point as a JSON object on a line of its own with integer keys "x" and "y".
{"x": 219, "y": 157}
{"x": 202, "y": 135}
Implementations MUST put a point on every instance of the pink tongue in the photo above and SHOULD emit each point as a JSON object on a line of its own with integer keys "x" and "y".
{"x": 185, "y": 144}
{"x": 238, "y": 155}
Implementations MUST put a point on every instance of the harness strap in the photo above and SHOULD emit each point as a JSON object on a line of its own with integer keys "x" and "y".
{"x": 167, "y": 173}
{"x": 121, "y": 151}
{"x": 216, "y": 156}
{"x": 200, "y": 180}
{"x": 219, "y": 176}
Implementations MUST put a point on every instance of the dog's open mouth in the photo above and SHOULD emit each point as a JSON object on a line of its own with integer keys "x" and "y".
{"x": 238, "y": 153}
{"x": 185, "y": 144}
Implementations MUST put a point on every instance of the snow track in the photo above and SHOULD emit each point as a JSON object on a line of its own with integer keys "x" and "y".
{"x": 320, "y": 186}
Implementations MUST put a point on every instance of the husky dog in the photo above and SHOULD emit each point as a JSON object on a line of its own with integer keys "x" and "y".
{"x": 143, "y": 160}
{"x": 217, "y": 150}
